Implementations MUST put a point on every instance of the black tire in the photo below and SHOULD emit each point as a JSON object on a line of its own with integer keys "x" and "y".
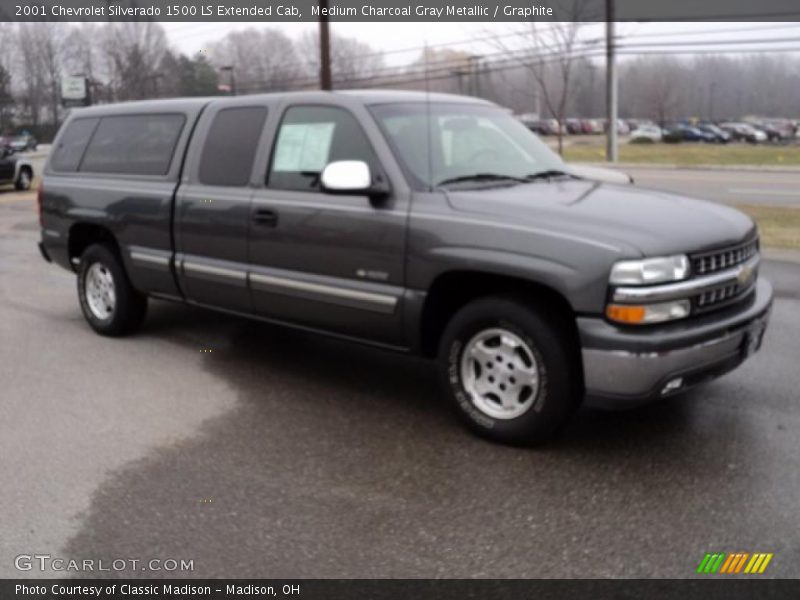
{"x": 24, "y": 180}
{"x": 559, "y": 391}
{"x": 129, "y": 306}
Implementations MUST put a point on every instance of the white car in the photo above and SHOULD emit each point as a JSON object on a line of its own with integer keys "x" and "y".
{"x": 647, "y": 132}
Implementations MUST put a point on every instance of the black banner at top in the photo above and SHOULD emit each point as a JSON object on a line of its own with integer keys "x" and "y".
{"x": 399, "y": 10}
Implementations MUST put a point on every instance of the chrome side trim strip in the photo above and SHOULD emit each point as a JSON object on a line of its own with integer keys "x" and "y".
{"x": 742, "y": 274}
{"x": 194, "y": 267}
{"x": 146, "y": 257}
{"x": 329, "y": 293}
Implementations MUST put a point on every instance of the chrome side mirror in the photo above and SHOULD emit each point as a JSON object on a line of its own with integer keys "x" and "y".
{"x": 345, "y": 176}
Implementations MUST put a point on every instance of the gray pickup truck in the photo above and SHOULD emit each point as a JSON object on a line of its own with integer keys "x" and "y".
{"x": 432, "y": 224}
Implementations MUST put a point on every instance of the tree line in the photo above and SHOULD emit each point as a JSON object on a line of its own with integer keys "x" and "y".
{"x": 135, "y": 60}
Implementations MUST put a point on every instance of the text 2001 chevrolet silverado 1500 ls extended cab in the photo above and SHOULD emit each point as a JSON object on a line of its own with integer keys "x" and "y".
{"x": 433, "y": 224}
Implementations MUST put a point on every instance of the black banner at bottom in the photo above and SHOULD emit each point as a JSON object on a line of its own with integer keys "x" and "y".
{"x": 400, "y": 589}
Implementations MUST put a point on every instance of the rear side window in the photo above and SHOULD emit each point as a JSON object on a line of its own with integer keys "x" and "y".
{"x": 231, "y": 146}
{"x": 71, "y": 145}
{"x": 133, "y": 144}
{"x": 309, "y": 138}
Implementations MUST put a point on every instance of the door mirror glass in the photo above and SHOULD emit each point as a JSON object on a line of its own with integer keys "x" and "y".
{"x": 346, "y": 176}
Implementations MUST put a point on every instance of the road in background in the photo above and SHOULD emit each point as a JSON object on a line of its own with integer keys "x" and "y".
{"x": 729, "y": 185}
{"x": 281, "y": 454}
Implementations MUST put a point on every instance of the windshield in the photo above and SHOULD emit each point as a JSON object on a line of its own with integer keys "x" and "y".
{"x": 465, "y": 141}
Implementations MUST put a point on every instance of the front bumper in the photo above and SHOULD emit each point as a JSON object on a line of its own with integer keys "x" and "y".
{"x": 626, "y": 366}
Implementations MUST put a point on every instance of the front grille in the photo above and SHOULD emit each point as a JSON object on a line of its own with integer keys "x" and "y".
{"x": 718, "y": 260}
{"x": 714, "y": 261}
{"x": 715, "y": 298}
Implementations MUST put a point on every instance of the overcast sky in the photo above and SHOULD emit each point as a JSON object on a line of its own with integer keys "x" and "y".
{"x": 191, "y": 38}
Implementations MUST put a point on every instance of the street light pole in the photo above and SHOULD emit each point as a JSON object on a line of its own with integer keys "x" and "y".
{"x": 612, "y": 150}
{"x": 325, "y": 82}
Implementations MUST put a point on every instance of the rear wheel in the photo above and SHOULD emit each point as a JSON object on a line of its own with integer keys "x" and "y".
{"x": 508, "y": 372}
{"x": 109, "y": 303}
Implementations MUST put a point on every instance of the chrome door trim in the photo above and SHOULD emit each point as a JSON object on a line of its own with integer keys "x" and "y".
{"x": 384, "y": 303}
{"x": 151, "y": 259}
{"x": 198, "y": 268}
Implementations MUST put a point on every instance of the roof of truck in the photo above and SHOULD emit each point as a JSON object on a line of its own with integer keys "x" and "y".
{"x": 195, "y": 104}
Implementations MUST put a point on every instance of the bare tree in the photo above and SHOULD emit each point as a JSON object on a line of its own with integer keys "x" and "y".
{"x": 549, "y": 54}
{"x": 263, "y": 59}
{"x": 350, "y": 59}
{"x": 132, "y": 52}
{"x": 655, "y": 82}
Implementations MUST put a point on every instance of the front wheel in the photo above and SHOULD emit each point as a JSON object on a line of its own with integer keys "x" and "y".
{"x": 24, "y": 180}
{"x": 509, "y": 372}
{"x": 109, "y": 303}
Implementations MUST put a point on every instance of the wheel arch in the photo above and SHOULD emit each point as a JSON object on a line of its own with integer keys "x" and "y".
{"x": 453, "y": 290}
{"x": 84, "y": 234}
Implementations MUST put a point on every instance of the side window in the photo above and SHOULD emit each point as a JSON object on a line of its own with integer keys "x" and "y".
{"x": 231, "y": 146}
{"x": 309, "y": 138}
{"x": 133, "y": 144}
{"x": 68, "y": 153}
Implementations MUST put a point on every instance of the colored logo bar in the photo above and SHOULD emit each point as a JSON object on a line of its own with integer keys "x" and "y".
{"x": 735, "y": 563}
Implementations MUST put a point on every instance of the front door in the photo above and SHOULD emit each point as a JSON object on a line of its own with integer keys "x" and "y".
{"x": 331, "y": 262}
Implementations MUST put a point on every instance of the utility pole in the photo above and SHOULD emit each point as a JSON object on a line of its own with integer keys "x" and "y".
{"x": 612, "y": 153}
{"x": 474, "y": 67}
{"x": 324, "y": 48}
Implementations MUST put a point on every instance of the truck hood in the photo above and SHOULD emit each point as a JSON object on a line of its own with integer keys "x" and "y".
{"x": 624, "y": 216}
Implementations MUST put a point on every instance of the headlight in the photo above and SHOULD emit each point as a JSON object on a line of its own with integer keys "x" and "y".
{"x": 650, "y": 270}
{"x": 648, "y": 313}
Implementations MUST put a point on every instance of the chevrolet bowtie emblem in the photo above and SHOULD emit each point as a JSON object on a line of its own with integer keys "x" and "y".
{"x": 745, "y": 275}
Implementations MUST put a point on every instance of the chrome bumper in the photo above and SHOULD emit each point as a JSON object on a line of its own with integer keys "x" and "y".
{"x": 623, "y": 367}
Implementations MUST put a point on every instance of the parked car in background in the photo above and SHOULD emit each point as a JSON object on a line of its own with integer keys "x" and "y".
{"x": 720, "y": 136}
{"x": 554, "y": 126}
{"x": 23, "y": 143}
{"x": 587, "y": 127}
{"x": 684, "y": 133}
{"x": 744, "y": 132}
{"x": 540, "y": 127}
{"x": 622, "y": 127}
{"x": 574, "y": 126}
{"x": 777, "y": 130}
{"x": 14, "y": 169}
{"x": 650, "y": 133}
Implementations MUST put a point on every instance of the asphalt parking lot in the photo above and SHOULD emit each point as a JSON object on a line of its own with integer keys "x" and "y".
{"x": 255, "y": 451}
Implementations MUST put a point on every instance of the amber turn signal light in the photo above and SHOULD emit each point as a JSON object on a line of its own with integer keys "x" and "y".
{"x": 622, "y": 313}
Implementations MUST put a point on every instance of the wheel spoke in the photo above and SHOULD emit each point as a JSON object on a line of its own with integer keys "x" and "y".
{"x": 482, "y": 353}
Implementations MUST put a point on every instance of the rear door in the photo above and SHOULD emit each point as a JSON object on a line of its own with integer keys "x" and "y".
{"x": 332, "y": 262}
{"x": 213, "y": 205}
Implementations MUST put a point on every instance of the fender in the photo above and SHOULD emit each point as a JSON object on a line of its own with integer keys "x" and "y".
{"x": 18, "y": 167}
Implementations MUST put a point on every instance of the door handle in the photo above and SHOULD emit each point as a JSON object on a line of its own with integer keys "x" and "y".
{"x": 266, "y": 217}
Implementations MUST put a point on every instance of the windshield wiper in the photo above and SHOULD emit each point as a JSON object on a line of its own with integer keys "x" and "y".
{"x": 547, "y": 174}
{"x": 483, "y": 177}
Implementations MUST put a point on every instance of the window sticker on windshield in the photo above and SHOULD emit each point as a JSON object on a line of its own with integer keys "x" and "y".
{"x": 303, "y": 147}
